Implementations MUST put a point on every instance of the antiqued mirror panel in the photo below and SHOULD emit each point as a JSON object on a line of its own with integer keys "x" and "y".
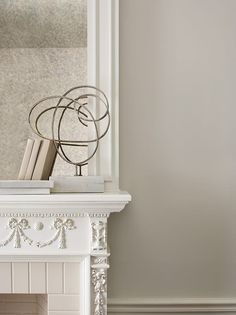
{"x": 43, "y": 51}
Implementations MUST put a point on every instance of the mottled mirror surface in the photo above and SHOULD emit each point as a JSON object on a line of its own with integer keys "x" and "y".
{"x": 43, "y": 51}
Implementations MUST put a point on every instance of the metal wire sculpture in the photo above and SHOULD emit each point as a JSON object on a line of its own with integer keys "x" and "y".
{"x": 81, "y": 105}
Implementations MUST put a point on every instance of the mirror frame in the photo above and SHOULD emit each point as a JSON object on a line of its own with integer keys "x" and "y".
{"x": 103, "y": 72}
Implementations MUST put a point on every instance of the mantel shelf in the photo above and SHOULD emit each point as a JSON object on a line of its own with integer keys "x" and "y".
{"x": 85, "y": 202}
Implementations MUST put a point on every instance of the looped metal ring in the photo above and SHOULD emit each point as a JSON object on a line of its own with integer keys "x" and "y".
{"x": 80, "y": 105}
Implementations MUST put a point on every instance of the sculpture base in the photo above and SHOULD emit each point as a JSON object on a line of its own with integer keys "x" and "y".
{"x": 78, "y": 184}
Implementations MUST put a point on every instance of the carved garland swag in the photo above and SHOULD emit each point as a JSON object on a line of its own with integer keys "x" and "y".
{"x": 18, "y": 234}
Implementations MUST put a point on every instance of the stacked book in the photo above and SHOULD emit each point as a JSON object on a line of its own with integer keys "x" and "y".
{"x": 36, "y": 167}
{"x": 38, "y": 160}
{"x": 25, "y": 187}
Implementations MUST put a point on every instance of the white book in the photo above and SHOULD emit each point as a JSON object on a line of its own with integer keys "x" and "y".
{"x": 32, "y": 184}
{"x": 33, "y": 159}
{"x": 24, "y": 191}
{"x": 45, "y": 161}
{"x": 26, "y": 158}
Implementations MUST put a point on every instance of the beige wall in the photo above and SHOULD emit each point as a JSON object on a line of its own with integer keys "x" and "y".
{"x": 177, "y": 150}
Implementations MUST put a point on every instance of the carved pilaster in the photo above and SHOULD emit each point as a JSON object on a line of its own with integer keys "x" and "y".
{"x": 99, "y": 281}
{"x": 99, "y": 264}
{"x": 99, "y": 233}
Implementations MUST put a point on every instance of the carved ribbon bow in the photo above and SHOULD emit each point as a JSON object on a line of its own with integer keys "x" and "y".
{"x": 17, "y": 233}
{"x": 23, "y": 224}
{"x": 61, "y": 226}
{"x": 18, "y": 227}
{"x": 67, "y": 224}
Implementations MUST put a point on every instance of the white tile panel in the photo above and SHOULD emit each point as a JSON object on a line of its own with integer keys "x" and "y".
{"x": 5, "y": 278}
{"x": 60, "y": 280}
{"x": 55, "y": 277}
{"x": 72, "y": 278}
{"x": 20, "y": 277}
{"x": 37, "y": 277}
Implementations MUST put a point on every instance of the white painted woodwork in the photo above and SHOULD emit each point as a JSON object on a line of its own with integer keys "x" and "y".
{"x": 71, "y": 278}
{"x": 45, "y": 283}
{"x": 55, "y": 278}
{"x": 20, "y": 277}
{"x": 63, "y": 302}
{"x": 103, "y": 72}
{"x": 41, "y": 277}
{"x": 5, "y": 276}
{"x": 37, "y": 279}
{"x": 64, "y": 264}
{"x": 90, "y": 203}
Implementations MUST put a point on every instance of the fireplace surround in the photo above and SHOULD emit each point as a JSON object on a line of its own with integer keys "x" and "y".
{"x": 53, "y": 248}
{"x": 54, "y": 253}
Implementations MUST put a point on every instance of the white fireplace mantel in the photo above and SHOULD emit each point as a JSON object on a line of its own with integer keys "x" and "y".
{"x": 87, "y": 202}
{"x": 37, "y": 231}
